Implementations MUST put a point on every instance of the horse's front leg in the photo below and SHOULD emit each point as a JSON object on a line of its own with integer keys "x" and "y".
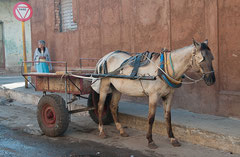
{"x": 167, "y": 114}
{"x": 153, "y": 99}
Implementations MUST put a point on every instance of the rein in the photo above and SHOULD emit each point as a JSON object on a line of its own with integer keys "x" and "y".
{"x": 194, "y": 80}
{"x": 179, "y": 81}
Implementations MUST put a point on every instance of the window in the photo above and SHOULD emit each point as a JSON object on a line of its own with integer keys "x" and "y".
{"x": 64, "y": 16}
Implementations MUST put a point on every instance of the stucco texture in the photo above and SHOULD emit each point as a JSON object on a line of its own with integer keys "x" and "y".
{"x": 12, "y": 35}
{"x": 141, "y": 25}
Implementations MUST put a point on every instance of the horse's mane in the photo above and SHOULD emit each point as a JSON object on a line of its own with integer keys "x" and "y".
{"x": 203, "y": 47}
{"x": 181, "y": 49}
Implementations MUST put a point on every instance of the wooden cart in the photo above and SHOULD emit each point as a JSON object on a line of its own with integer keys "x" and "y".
{"x": 53, "y": 112}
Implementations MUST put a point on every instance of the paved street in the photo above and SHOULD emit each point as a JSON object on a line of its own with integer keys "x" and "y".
{"x": 16, "y": 143}
{"x": 27, "y": 141}
{"x": 51, "y": 49}
{"x": 21, "y": 136}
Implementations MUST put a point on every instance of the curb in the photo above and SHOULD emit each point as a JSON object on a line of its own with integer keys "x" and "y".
{"x": 193, "y": 135}
{"x": 19, "y": 96}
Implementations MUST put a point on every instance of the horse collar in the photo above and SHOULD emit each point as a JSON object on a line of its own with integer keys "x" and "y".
{"x": 166, "y": 78}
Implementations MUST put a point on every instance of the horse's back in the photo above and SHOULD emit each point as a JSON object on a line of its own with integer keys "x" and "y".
{"x": 113, "y": 60}
{"x": 116, "y": 60}
{"x": 129, "y": 86}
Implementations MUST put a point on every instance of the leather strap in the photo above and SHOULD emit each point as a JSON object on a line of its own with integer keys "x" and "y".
{"x": 136, "y": 66}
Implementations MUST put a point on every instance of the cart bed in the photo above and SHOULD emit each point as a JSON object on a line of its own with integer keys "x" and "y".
{"x": 54, "y": 82}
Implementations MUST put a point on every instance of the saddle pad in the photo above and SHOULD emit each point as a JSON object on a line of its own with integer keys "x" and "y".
{"x": 138, "y": 61}
{"x": 140, "y": 57}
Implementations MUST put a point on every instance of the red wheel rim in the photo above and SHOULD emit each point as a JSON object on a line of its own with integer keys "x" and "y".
{"x": 95, "y": 100}
{"x": 48, "y": 115}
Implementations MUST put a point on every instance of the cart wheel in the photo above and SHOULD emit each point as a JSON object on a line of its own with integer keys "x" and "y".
{"x": 52, "y": 115}
{"x": 93, "y": 99}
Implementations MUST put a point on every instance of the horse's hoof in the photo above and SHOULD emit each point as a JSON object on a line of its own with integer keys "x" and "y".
{"x": 124, "y": 134}
{"x": 152, "y": 145}
{"x": 175, "y": 142}
{"x": 102, "y": 135}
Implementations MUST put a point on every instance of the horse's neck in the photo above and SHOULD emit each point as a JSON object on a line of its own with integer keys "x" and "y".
{"x": 181, "y": 60}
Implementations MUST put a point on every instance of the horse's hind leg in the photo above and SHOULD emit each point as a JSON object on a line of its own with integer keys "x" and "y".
{"x": 167, "y": 114}
{"x": 104, "y": 87}
{"x": 116, "y": 95}
{"x": 151, "y": 116}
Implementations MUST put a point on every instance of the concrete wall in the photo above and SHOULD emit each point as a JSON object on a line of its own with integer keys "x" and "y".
{"x": 140, "y": 25}
{"x": 13, "y": 36}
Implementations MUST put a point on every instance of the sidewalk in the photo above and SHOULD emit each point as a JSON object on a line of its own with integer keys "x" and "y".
{"x": 212, "y": 131}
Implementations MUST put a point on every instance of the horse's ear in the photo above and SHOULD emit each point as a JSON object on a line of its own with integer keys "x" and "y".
{"x": 196, "y": 44}
{"x": 206, "y": 42}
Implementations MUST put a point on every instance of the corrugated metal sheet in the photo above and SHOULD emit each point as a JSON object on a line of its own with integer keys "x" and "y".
{"x": 67, "y": 16}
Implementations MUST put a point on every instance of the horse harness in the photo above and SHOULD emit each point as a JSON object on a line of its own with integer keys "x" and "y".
{"x": 143, "y": 59}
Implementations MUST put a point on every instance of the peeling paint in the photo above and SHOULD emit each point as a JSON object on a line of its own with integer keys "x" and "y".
{"x": 234, "y": 55}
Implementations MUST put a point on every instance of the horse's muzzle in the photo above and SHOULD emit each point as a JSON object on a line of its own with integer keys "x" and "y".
{"x": 210, "y": 79}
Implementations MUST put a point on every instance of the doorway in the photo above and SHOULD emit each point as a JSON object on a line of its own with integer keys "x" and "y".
{"x": 2, "y": 53}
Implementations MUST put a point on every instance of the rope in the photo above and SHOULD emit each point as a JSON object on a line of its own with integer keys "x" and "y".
{"x": 144, "y": 92}
{"x": 194, "y": 80}
{"x": 83, "y": 77}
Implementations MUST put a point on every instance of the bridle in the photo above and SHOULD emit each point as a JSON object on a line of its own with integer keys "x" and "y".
{"x": 193, "y": 81}
{"x": 194, "y": 63}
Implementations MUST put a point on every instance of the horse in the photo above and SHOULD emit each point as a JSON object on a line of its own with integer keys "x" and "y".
{"x": 197, "y": 57}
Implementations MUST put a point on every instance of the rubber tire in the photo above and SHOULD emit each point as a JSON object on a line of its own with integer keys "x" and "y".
{"x": 61, "y": 114}
{"x": 107, "y": 117}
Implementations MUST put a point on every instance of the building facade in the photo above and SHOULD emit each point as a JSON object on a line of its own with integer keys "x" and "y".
{"x": 75, "y": 29}
{"x": 11, "y": 47}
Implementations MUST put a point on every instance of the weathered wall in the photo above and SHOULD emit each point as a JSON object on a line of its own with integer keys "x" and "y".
{"x": 13, "y": 36}
{"x": 140, "y": 25}
{"x": 229, "y": 56}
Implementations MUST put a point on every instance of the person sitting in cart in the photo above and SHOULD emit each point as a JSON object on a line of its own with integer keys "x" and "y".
{"x": 42, "y": 55}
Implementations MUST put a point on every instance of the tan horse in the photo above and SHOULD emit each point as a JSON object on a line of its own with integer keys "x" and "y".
{"x": 197, "y": 56}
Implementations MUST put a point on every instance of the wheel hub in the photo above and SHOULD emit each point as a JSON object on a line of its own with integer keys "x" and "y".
{"x": 48, "y": 115}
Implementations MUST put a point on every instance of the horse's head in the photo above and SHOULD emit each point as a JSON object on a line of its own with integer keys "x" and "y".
{"x": 202, "y": 61}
